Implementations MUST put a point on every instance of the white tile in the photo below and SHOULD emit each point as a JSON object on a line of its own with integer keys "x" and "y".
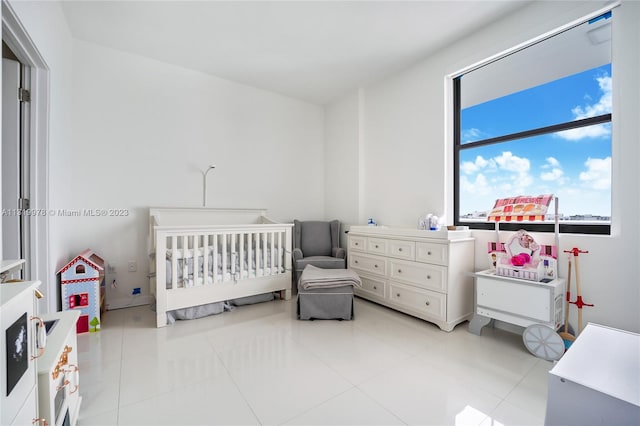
{"x": 212, "y": 402}
{"x": 355, "y": 355}
{"x": 489, "y": 369}
{"x": 109, "y": 418}
{"x": 509, "y": 415}
{"x": 280, "y": 378}
{"x": 531, "y": 393}
{"x": 352, "y": 407}
{"x": 99, "y": 388}
{"x": 259, "y": 365}
{"x": 419, "y": 393}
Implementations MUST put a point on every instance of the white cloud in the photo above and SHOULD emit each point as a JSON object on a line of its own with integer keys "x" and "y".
{"x": 597, "y": 131}
{"x": 598, "y": 173}
{"x": 513, "y": 163}
{"x": 479, "y": 186}
{"x": 602, "y": 106}
{"x": 469, "y": 167}
{"x": 473, "y": 134}
{"x": 515, "y": 180}
{"x": 554, "y": 174}
{"x": 551, "y": 162}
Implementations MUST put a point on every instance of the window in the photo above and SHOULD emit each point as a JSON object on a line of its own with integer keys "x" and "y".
{"x": 538, "y": 121}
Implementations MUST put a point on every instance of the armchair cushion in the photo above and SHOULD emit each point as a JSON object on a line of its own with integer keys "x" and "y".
{"x": 324, "y": 262}
{"x": 313, "y": 238}
{"x": 297, "y": 254}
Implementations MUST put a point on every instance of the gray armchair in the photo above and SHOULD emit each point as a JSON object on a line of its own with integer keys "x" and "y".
{"x": 317, "y": 243}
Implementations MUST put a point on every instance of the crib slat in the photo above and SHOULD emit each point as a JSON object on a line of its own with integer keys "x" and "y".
{"x": 264, "y": 253}
{"x": 257, "y": 255}
{"x": 232, "y": 257}
{"x": 249, "y": 255}
{"x": 215, "y": 258}
{"x": 185, "y": 261}
{"x": 279, "y": 254}
{"x": 224, "y": 257}
{"x": 205, "y": 259}
{"x": 174, "y": 262}
{"x": 273, "y": 254}
{"x": 196, "y": 259}
{"x": 241, "y": 258}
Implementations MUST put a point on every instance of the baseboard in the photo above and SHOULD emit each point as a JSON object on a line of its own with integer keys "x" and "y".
{"x": 127, "y": 302}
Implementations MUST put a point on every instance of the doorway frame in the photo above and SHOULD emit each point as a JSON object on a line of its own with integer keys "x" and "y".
{"x": 16, "y": 37}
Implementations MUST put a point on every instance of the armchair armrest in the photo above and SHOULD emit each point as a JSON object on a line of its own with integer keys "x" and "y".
{"x": 339, "y": 252}
{"x": 297, "y": 254}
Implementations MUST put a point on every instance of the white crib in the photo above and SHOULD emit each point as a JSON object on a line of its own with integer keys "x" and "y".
{"x": 202, "y": 255}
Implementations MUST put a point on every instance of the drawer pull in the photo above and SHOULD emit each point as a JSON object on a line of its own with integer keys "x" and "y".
{"x": 375, "y": 288}
{"x": 428, "y": 277}
{"x": 397, "y": 294}
{"x": 375, "y": 266}
{"x": 376, "y": 246}
{"x": 355, "y": 244}
{"x": 41, "y": 338}
{"x": 427, "y": 303}
{"x": 400, "y": 249}
{"x": 428, "y": 253}
{"x": 355, "y": 261}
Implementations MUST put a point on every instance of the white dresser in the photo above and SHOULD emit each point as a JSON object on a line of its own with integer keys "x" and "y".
{"x": 18, "y": 353}
{"x": 426, "y": 274}
{"x": 58, "y": 376}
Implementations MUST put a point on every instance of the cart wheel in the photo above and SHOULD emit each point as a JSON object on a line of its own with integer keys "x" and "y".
{"x": 543, "y": 342}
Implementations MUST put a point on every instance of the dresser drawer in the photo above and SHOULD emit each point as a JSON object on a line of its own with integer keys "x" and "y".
{"x": 377, "y": 246}
{"x": 373, "y": 286}
{"x": 432, "y": 253}
{"x": 402, "y": 249}
{"x": 371, "y": 264}
{"x": 357, "y": 243}
{"x": 433, "y": 277}
{"x": 424, "y": 301}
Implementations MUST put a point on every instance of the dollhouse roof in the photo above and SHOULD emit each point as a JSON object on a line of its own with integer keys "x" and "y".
{"x": 89, "y": 257}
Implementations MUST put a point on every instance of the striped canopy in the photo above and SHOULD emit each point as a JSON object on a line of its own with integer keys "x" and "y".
{"x": 520, "y": 208}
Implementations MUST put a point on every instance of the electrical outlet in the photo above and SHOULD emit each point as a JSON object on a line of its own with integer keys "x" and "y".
{"x": 133, "y": 266}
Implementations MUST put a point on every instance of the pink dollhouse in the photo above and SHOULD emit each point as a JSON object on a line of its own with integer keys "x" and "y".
{"x": 82, "y": 288}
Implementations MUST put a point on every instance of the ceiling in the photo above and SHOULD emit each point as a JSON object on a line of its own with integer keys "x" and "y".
{"x": 315, "y": 51}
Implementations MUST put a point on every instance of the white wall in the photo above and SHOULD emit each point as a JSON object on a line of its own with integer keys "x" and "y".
{"x": 406, "y": 151}
{"x": 342, "y": 169}
{"x": 128, "y": 132}
{"x": 144, "y": 131}
{"x": 47, "y": 27}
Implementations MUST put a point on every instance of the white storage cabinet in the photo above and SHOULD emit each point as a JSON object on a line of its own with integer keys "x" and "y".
{"x": 597, "y": 381}
{"x": 426, "y": 274}
{"x": 517, "y": 301}
{"x": 58, "y": 376}
{"x": 18, "y": 387}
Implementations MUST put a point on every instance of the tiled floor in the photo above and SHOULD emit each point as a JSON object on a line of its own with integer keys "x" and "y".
{"x": 259, "y": 365}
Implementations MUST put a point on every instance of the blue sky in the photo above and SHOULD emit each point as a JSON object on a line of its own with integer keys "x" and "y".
{"x": 574, "y": 165}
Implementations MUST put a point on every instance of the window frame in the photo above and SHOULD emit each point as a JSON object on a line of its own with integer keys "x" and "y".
{"x": 564, "y": 228}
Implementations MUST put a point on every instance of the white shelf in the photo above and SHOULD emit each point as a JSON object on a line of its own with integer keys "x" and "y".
{"x": 7, "y": 265}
